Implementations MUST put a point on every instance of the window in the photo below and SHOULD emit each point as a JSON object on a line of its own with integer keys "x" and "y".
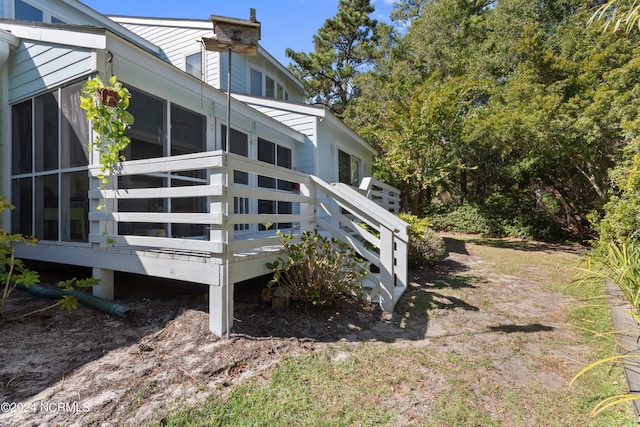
{"x": 256, "y": 83}
{"x": 193, "y": 65}
{"x": 348, "y": 168}
{"x": 263, "y": 85}
{"x": 239, "y": 145}
{"x": 27, "y": 12}
{"x": 270, "y": 89}
{"x": 49, "y": 183}
{"x": 276, "y": 155}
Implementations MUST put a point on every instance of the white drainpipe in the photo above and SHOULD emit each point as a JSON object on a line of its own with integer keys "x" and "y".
{"x": 7, "y": 41}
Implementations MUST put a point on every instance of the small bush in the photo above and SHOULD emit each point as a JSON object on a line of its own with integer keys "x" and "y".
{"x": 318, "y": 269}
{"x": 425, "y": 246}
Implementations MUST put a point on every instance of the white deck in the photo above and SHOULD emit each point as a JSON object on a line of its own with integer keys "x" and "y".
{"x": 335, "y": 208}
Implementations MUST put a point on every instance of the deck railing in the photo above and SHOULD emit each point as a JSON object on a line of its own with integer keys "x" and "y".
{"x": 383, "y": 194}
{"x": 183, "y": 203}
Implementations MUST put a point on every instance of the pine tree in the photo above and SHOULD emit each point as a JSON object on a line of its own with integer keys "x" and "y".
{"x": 344, "y": 46}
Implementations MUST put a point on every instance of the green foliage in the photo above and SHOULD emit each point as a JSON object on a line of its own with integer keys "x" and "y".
{"x": 106, "y": 106}
{"x": 425, "y": 246}
{"x": 467, "y": 218}
{"x": 496, "y": 103}
{"x": 13, "y": 269}
{"x": 343, "y": 46}
{"x": 621, "y": 267}
{"x": 501, "y": 216}
{"x": 317, "y": 269}
{"x": 70, "y": 302}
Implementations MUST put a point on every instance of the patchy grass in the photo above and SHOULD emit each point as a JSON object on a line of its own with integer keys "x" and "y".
{"x": 490, "y": 365}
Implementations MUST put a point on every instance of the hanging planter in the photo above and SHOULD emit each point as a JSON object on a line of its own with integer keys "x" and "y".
{"x": 106, "y": 106}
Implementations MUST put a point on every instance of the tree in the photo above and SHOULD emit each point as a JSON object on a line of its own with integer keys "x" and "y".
{"x": 619, "y": 13}
{"x": 344, "y": 46}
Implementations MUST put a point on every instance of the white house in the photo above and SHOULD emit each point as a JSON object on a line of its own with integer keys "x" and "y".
{"x": 182, "y": 206}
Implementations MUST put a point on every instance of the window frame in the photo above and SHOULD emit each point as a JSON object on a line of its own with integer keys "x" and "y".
{"x": 355, "y": 173}
{"x": 187, "y": 65}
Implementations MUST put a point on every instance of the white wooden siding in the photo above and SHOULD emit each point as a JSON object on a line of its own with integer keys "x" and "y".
{"x": 303, "y": 123}
{"x": 175, "y": 42}
{"x": 35, "y": 67}
{"x": 328, "y": 155}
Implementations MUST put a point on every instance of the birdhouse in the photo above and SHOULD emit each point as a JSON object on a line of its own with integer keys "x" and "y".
{"x": 239, "y": 35}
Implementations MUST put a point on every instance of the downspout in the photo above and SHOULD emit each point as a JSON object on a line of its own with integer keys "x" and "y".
{"x": 100, "y": 304}
{"x": 7, "y": 42}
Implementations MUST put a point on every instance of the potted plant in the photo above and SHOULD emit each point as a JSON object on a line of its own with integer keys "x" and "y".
{"x": 106, "y": 106}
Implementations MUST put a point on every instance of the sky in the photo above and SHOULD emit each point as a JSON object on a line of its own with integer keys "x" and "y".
{"x": 284, "y": 23}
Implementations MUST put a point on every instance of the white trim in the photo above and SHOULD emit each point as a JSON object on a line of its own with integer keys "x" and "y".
{"x": 92, "y": 38}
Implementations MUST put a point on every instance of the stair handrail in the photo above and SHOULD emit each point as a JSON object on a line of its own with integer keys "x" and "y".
{"x": 347, "y": 194}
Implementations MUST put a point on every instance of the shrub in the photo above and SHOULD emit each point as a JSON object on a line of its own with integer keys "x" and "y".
{"x": 467, "y": 218}
{"x": 425, "y": 246}
{"x": 13, "y": 270}
{"x": 317, "y": 269}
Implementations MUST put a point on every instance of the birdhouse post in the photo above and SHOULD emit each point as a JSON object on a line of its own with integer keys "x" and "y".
{"x": 240, "y": 36}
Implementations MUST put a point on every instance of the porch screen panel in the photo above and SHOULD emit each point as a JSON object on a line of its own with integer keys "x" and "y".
{"x": 22, "y": 199}
{"x": 149, "y": 127}
{"x": 74, "y": 208}
{"x": 22, "y": 136}
{"x": 148, "y": 137}
{"x": 74, "y": 129}
{"x": 187, "y": 136}
{"x": 47, "y": 211}
{"x": 49, "y": 137}
{"x": 46, "y": 131}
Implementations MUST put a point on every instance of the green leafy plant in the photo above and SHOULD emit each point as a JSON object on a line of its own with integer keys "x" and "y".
{"x": 14, "y": 271}
{"x": 106, "y": 106}
{"x": 425, "y": 246}
{"x": 69, "y": 302}
{"x": 317, "y": 269}
{"x": 621, "y": 267}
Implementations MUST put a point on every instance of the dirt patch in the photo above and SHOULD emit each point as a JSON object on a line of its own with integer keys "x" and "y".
{"x": 89, "y": 368}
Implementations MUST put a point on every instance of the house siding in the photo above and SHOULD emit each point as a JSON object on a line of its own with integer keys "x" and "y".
{"x": 238, "y": 73}
{"x": 35, "y": 67}
{"x": 305, "y": 124}
{"x": 176, "y": 43}
{"x": 328, "y": 157}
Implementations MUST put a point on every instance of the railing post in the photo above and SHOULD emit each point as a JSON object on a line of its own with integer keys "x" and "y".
{"x": 387, "y": 282}
{"x": 307, "y": 190}
{"x": 217, "y": 206}
{"x": 401, "y": 264}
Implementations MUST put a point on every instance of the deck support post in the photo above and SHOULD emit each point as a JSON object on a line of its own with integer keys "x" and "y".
{"x": 219, "y": 301}
{"x": 106, "y": 287}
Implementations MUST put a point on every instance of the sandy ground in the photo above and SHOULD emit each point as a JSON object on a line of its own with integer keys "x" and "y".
{"x": 89, "y": 368}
